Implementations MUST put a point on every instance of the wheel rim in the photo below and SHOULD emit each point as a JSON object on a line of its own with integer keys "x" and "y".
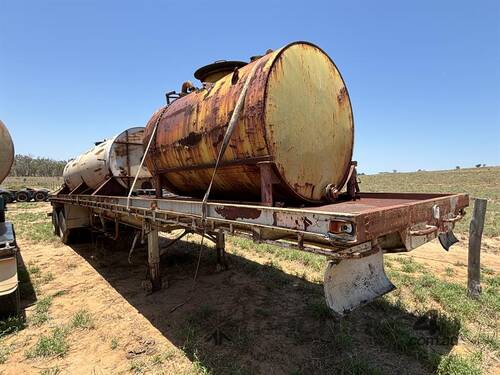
{"x": 22, "y": 197}
{"x": 62, "y": 224}
{"x": 39, "y": 197}
{"x": 55, "y": 222}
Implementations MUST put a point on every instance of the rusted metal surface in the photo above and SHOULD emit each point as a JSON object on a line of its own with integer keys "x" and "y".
{"x": 268, "y": 179}
{"x": 233, "y": 213}
{"x": 117, "y": 157}
{"x": 6, "y": 151}
{"x": 325, "y": 228}
{"x": 297, "y": 114}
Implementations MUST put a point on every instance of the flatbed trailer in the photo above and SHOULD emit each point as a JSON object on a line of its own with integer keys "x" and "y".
{"x": 351, "y": 234}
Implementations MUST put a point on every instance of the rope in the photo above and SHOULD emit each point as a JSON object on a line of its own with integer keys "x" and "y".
{"x": 195, "y": 277}
{"x": 132, "y": 247}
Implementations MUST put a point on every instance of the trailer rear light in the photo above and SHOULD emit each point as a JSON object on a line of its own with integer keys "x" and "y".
{"x": 339, "y": 226}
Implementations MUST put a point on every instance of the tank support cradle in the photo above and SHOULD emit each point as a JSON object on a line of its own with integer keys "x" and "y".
{"x": 153, "y": 256}
{"x": 267, "y": 179}
{"x": 355, "y": 277}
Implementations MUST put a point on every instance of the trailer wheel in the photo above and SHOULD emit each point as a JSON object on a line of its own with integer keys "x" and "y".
{"x": 55, "y": 222}
{"x": 22, "y": 196}
{"x": 40, "y": 196}
{"x": 64, "y": 232}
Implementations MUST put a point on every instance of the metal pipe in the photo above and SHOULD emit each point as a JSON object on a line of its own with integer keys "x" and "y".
{"x": 144, "y": 157}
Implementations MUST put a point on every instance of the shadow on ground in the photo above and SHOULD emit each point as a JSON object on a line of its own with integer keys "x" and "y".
{"x": 256, "y": 318}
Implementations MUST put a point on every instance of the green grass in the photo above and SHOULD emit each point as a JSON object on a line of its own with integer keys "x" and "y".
{"x": 33, "y": 226}
{"x": 138, "y": 366}
{"x": 199, "y": 367}
{"x": 449, "y": 271}
{"x": 11, "y": 325}
{"x": 473, "y": 321}
{"x": 477, "y": 182}
{"x": 398, "y": 336}
{"x": 32, "y": 276}
{"x": 487, "y": 271}
{"x": 342, "y": 338}
{"x": 41, "y": 313}
{"x": 52, "y": 345}
{"x": 26, "y": 205}
{"x": 83, "y": 320}
{"x": 306, "y": 259}
{"x": 454, "y": 364}
{"x": 33, "y": 269}
{"x": 60, "y": 293}
{"x": 391, "y": 333}
{"x": 160, "y": 358}
{"x": 47, "y": 277}
{"x": 409, "y": 265}
{"x": 319, "y": 309}
{"x": 4, "y": 353}
{"x": 151, "y": 364}
{"x": 452, "y": 296}
{"x": 55, "y": 344}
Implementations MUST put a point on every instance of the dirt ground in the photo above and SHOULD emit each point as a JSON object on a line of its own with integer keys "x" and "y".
{"x": 262, "y": 313}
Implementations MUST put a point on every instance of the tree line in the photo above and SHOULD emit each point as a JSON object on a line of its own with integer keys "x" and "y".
{"x": 29, "y": 166}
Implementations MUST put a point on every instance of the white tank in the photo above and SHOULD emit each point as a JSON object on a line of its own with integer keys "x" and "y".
{"x": 117, "y": 157}
{"x": 6, "y": 152}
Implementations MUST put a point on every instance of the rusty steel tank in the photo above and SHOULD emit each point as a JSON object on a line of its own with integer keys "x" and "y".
{"x": 6, "y": 152}
{"x": 118, "y": 157}
{"x": 296, "y": 115}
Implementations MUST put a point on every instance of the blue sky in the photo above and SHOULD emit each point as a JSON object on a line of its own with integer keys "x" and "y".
{"x": 423, "y": 76}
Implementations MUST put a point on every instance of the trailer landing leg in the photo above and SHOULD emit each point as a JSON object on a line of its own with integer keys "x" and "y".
{"x": 153, "y": 257}
{"x": 356, "y": 279}
{"x": 221, "y": 252}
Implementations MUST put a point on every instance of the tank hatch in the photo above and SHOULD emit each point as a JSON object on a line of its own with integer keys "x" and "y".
{"x": 215, "y": 71}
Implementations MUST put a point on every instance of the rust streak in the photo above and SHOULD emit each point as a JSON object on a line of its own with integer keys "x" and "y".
{"x": 233, "y": 213}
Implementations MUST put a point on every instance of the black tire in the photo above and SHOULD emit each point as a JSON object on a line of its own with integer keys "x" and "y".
{"x": 64, "y": 232}
{"x": 40, "y": 196}
{"x": 55, "y": 222}
{"x": 23, "y": 196}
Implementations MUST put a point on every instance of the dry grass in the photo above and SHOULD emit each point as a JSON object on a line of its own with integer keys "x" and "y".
{"x": 269, "y": 304}
{"x": 477, "y": 182}
{"x": 51, "y": 183}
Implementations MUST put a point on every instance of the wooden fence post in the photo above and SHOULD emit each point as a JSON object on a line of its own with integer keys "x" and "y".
{"x": 474, "y": 258}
